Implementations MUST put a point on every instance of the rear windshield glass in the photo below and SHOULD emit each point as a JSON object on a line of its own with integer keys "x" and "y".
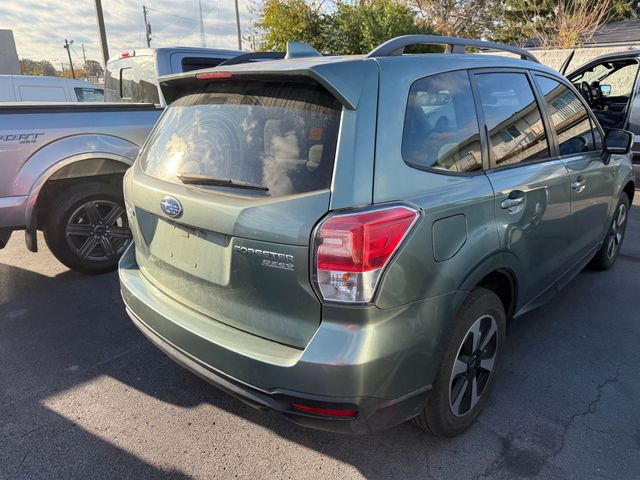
{"x": 278, "y": 135}
{"x": 132, "y": 79}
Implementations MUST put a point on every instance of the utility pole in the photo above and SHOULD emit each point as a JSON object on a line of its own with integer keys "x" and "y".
{"x": 238, "y": 27}
{"x": 147, "y": 26}
{"x": 102, "y": 32}
{"x": 84, "y": 58}
{"x": 61, "y": 69}
{"x": 203, "y": 40}
{"x": 67, "y": 45}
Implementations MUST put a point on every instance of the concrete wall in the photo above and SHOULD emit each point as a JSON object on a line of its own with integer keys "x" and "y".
{"x": 554, "y": 58}
{"x": 9, "y": 64}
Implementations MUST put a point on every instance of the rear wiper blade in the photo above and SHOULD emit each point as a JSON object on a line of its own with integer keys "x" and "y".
{"x": 192, "y": 179}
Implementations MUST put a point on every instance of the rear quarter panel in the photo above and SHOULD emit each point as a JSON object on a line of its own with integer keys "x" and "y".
{"x": 456, "y": 237}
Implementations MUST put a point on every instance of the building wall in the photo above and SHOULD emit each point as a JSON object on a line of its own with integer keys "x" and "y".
{"x": 9, "y": 64}
{"x": 555, "y": 57}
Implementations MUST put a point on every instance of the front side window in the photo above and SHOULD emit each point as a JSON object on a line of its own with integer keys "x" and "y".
{"x": 440, "y": 125}
{"x": 569, "y": 117}
{"x": 512, "y": 117}
{"x": 619, "y": 77}
{"x": 279, "y": 136}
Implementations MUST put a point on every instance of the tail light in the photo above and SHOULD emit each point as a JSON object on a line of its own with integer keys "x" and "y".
{"x": 352, "y": 250}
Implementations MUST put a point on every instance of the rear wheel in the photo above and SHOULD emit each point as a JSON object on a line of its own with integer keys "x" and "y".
{"x": 608, "y": 253}
{"x": 86, "y": 227}
{"x": 466, "y": 376}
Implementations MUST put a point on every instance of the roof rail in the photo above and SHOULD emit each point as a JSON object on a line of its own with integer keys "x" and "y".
{"x": 396, "y": 46}
{"x": 248, "y": 57}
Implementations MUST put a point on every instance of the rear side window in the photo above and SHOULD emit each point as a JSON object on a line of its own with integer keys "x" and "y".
{"x": 512, "y": 117}
{"x": 570, "y": 118}
{"x": 440, "y": 125}
{"x": 89, "y": 94}
{"x": 279, "y": 135}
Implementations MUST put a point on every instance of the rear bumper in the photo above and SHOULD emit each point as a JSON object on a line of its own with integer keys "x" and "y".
{"x": 340, "y": 368}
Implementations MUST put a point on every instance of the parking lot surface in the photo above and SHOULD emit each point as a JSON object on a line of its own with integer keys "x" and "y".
{"x": 84, "y": 395}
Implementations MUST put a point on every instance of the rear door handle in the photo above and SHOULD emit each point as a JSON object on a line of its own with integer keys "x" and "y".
{"x": 515, "y": 198}
{"x": 579, "y": 184}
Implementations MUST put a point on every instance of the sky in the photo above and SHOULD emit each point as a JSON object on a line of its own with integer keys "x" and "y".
{"x": 41, "y": 26}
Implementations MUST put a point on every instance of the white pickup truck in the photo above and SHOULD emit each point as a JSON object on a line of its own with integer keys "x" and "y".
{"x": 61, "y": 164}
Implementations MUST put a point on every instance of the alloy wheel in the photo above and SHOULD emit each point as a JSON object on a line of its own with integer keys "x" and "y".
{"x": 617, "y": 231}
{"x": 473, "y": 366}
{"x": 98, "y": 230}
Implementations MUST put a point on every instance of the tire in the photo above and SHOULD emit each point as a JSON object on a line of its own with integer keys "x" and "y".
{"x": 449, "y": 410}
{"x": 86, "y": 227}
{"x": 608, "y": 253}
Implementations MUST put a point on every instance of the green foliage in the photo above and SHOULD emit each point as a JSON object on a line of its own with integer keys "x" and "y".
{"x": 93, "y": 68}
{"x": 282, "y": 21}
{"x": 346, "y": 29}
{"x": 361, "y": 28}
{"x": 624, "y": 10}
{"x": 39, "y": 67}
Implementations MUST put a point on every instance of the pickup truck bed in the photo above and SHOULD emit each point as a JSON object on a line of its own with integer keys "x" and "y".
{"x": 44, "y": 148}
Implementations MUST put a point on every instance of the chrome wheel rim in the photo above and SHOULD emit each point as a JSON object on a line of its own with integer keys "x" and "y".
{"x": 98, "y": 231}
{"x": 614, "y": 240}
{"x": 473, "y": 366}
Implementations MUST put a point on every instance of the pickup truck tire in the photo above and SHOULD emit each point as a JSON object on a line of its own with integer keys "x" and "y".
{"x": 608, "y": 253}
{"x": 86, "y": 227}
{"x": 467, "y": 373}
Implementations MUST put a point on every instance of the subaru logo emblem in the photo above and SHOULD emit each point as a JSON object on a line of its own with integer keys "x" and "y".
{"x": 171, "y": 207}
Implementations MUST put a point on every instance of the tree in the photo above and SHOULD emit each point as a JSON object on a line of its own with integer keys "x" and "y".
{"x": 282, "y": 21}
{"x": 360, "y": 28}
{"x": 623, "y": 10}
{"x": 79, "y": 72}
{"x": 551, "y": 23}
{"x": 40, "y": 67}
{"x": 458, "y": 18}
{"x": 93, "y": 68}
{"x": 338, "y": 28}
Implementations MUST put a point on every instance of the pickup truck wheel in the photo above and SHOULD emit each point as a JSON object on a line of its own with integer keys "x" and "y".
{"x": 86, "y": 227}
{"x": 467, "y": 373}
{"x": 608, "y": 253}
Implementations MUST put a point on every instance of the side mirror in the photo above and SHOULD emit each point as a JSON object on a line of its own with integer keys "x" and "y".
{"x": 618, "y": 141}
{"x": 605, "y": 90}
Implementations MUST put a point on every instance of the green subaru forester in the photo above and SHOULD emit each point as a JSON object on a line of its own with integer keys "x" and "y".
{"x": 345, "y": 239}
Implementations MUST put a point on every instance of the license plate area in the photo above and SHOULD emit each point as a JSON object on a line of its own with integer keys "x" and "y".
{"x": 198, "y": 252}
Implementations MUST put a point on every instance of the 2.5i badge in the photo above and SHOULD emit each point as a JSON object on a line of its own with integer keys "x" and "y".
{"x": 269, "y": 259}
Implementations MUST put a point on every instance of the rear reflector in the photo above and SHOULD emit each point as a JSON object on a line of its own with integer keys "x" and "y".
{"x": 325, "y": 411}
{"x": 210, "y": 75}
{"x": 352, "y": 250}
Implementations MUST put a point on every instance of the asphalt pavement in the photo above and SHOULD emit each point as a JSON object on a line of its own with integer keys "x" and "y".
{"x": 84, "y": 395}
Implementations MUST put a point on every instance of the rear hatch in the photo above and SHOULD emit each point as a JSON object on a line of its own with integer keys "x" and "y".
{"x": 226, "y": 193}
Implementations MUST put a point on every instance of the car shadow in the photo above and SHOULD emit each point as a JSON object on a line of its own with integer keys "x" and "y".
{"x": 64, "y": 331}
